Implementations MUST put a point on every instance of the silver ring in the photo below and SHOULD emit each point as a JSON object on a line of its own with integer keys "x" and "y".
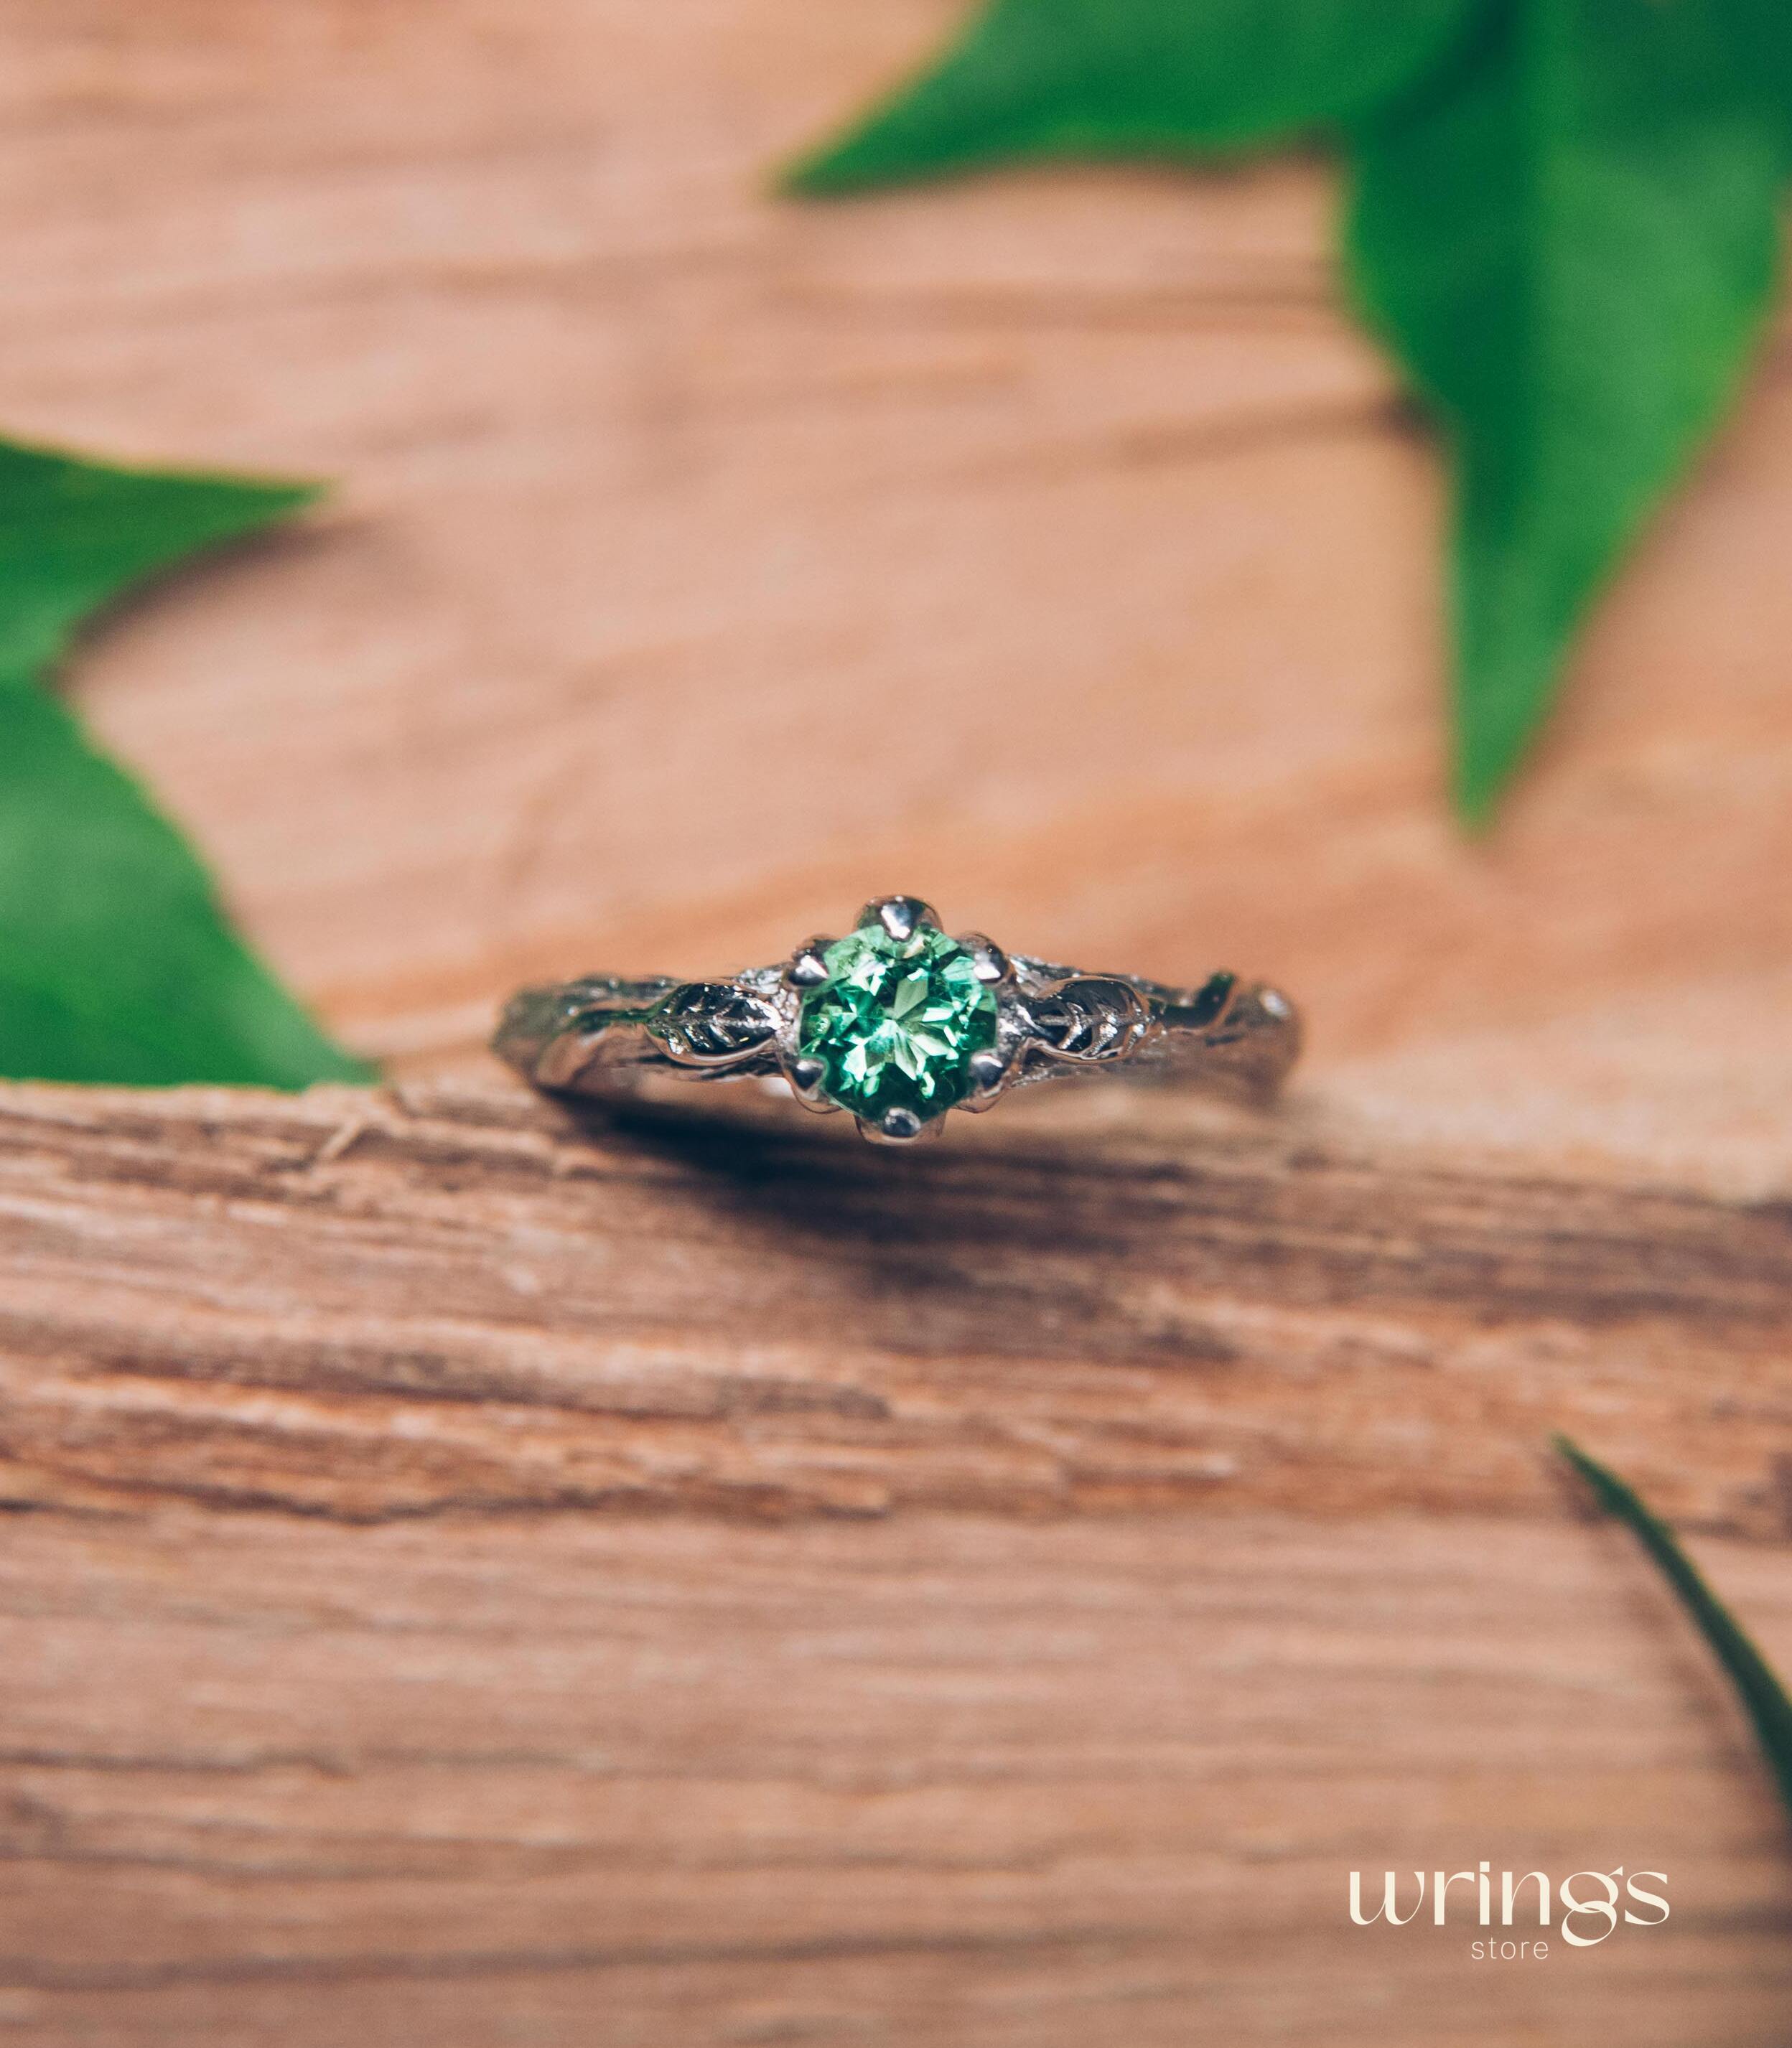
{"x": 897, "y": 1023}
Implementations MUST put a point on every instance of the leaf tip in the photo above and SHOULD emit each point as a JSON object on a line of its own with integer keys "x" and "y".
{"x": 1572, "y": 1455}
{"x": 859, "y": 160}
{"x": 810, "y": 175}
{"x": 1487, "y": 757}
{"x": 282, "y": 497}
{"x": 1613, "y": 1496}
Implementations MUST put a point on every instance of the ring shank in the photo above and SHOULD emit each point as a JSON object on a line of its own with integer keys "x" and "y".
{"x": 1247, "y": 1049}
{"x": 574, "y": 1035}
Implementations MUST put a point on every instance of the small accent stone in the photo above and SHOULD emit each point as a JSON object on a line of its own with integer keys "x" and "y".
{"x": 896, "y": 1021}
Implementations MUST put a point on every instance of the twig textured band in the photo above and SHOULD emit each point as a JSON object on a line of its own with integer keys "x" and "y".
{"x": 899, "y": 1023}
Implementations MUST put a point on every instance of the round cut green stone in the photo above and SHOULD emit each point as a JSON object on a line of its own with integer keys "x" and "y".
{"x": 896, "y": 1021}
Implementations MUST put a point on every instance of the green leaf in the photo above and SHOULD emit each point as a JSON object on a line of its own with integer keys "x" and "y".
{"x": 1572, "y": 238}
{"x": 1138, "y": 78}
{"x": 74, "y": 536}
{"x": 1762, "y": 1695}
{"x": 116, "y": 963}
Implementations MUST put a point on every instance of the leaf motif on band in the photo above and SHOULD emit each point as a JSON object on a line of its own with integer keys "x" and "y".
{"x": 1205, "y": 1004}
{"x": 1090, "y": 1018}
{"x": 703, "y": 1022}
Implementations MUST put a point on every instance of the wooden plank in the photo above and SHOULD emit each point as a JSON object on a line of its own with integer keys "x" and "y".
{"x": 935, "y": 1779}
{"x": 362, "y": 1307}
{"x": 480, "y": 1572}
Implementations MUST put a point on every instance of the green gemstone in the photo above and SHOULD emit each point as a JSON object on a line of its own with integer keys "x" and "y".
{"x": 896, "y": 1021}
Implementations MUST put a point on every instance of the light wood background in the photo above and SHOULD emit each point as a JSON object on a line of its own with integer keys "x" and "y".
{"x": 479, "y": 1578}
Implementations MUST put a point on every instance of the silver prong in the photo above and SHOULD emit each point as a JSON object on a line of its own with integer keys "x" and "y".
{"x": 898, "y": 1126}
{"x": 987, "y": 1071}
{"x": 808, "y": 966}
{"x": 899, "y": 915}
{"x": 805, "y": 1074}
{"x": 986, "y": 957}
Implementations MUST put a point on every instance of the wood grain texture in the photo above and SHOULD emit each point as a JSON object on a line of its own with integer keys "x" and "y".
{"x": 947, "y": 1779}
{"x": 478, "y": 1575}
{"x": 472, "y": 1577}
{"x": 351, "y": 1307}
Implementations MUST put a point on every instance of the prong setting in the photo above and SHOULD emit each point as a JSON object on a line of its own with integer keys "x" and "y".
{"x": 992, "y": 964}
{"x": 898, "y": 1125}
{"x": 900, "y": 916}
{"x": 988, "y": 1071}
{"x": 805, "y": 1074}
{"x": 808, "y": 966}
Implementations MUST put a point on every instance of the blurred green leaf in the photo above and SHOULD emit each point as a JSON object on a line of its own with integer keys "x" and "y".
{"x": 1564, "y": 222}
{"x": 1762, "y": 1693}
{"x": 1139, "y": 78}
{"x": 116, "y": 963}
{"x": 1572, "y": 240}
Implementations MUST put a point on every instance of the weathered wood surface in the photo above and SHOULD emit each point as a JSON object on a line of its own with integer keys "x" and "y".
{"x": 476, "y": 1579}
{"x": 495, "y": 1577}
{"x": 352, "y": 1308}
{"x": 573, "y": 1780}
